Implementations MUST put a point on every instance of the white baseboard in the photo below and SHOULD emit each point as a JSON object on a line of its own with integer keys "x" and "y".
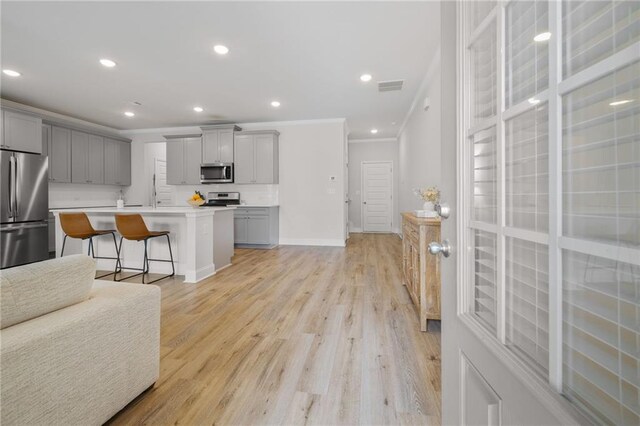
{"x": 311, "y": 242}
{"x": 355, "y": 230}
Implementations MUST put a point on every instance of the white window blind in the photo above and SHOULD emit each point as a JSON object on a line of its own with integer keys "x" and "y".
{"x": 602, "y": 336}
{"x": 601, "y": 159}
{"x": 562, "y": 128}
{"x": 484, "y": 176}
{"x": 527, "y": 61}
{"x": 485, "y": 278}
{"x": 594, "y": 30}
{"x": 527, "y": 170}
{"x": 484, "y": 54}
{"x": 527, "y": 301}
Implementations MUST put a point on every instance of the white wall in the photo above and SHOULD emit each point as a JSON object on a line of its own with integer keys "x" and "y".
{"x": 312, "y": 208}
{"x": 370, "y": 151}
{"x": 419, "y": 141}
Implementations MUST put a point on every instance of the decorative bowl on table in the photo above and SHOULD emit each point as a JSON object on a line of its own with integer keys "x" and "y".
{"x": 195, "y": 203}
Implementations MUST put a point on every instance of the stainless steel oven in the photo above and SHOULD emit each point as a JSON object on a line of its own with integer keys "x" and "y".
{"x": 216, "y": 173}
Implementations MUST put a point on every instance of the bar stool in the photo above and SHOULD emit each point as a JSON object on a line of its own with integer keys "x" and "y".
{"x": 77, "y": 225}
{"x": 133, "y": 228}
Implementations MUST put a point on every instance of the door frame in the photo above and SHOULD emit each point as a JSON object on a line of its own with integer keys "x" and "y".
{"x": 362, "y": 163}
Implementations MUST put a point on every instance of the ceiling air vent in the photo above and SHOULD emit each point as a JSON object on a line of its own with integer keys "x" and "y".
{"x": 390, "y": 85}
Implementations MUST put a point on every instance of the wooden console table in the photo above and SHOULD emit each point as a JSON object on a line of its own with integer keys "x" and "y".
{"x": 421, "y": 270}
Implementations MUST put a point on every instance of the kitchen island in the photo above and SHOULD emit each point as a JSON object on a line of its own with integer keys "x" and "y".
{"x": 201, "y": 238}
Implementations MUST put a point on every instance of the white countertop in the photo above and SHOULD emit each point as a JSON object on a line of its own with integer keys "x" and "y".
{"x": 203, "y": 211}
{"x": 258, "y": 205}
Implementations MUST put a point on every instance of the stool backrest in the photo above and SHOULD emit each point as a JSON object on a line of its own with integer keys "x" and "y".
{"x": 131, "y": 226}
{"x": 76, "y": 225}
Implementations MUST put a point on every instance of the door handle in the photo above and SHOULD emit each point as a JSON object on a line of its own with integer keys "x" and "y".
{"x": 364, "y": 202}
{"x": 443, "y": 210}
{"x": 11, "y": 186}
{"x": 436, "y": 248}
{"x": 16, "y": 213}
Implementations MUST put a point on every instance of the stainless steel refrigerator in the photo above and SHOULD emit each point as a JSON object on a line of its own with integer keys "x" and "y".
{"x": 24, "y": 205}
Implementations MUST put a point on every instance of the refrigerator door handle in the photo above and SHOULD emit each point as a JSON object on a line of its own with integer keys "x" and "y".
{"x": 16, "y": 211}
{"x": 12, "y": 186}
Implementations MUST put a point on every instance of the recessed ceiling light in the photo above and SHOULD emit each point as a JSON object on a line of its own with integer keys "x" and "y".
{"x": 129, "y": 114}
{"x": 374, "y": 131}
{"x": 107, "y": 63}
{"x": 621, "y": 102}
{"x": 12, "y": 73}
{"x": 275, "y": 104}
{"x": 198, "y": 109}
{"x": 542, "y": 36}
{"x": 534, "y": 101}
{"x": 365, "y": 77}
{"x": 220, "y": 49}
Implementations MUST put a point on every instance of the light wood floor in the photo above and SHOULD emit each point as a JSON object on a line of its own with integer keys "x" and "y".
{"x": 295, "y": 335}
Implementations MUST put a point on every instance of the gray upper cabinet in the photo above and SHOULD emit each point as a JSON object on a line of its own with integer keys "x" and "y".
{"x": 59, "y": 152}
{"x": 217, "y": 143}
{"x": 46, "y": 138}
{"x": 117, "y": 162}
{"x": 87, "y": 158}
{"x": 95, "y": 159}
{"x": 256, "y": 157}
{"x": 21, "y": 132}
{"x": 79, "y": 154}
{"x": 184, "y": 156}
{"x": 243, "y": 167}
{"x": 192, "y": 160}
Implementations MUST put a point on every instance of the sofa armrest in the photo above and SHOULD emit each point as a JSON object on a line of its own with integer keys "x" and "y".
{"x": 83, "y": 363}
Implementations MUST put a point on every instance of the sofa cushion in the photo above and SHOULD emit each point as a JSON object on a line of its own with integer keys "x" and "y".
{"x": 32, "y": 290}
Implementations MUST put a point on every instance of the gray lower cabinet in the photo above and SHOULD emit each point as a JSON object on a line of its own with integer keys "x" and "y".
{"x": 256, "y": 157}
{"x": 59, "y": 151}
{"x": 256, "y": 226}
{"x": 117, "y": 162}
{"x": 21, "y": 132}
{"x": 87, "y": 158}
{"x": 184, "y": 156}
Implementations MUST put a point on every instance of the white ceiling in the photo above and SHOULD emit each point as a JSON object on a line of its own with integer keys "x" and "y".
{"x": 309, "y": 56}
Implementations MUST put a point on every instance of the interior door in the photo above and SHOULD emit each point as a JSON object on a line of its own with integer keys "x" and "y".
{"x": 377, "y": 193}
{"x": 540, "y": 301}
{"x": 163, "y": 192}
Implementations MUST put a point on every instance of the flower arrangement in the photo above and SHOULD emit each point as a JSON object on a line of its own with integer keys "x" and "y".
{"x": 431, "y": 194}
{"x": 196, "y": 200}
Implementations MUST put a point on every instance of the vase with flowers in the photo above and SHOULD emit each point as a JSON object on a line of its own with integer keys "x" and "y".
{"x": 430, "y": 197}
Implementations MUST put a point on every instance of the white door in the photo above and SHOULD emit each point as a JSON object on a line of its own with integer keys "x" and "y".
{"x": 163, "y": 192}
{"x": 376, "y": 195}
{"x": 540, "y": 297}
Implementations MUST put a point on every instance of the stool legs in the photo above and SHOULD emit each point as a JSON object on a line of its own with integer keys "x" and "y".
{"x": 145, "y": 263}
{"x": 91, "y": 252}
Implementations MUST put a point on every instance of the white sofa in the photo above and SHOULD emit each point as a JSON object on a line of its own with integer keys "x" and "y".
{"x": 73, "y": 350}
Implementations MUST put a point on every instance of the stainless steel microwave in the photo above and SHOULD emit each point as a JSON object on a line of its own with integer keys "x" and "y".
{"x": 216, "y": 173}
